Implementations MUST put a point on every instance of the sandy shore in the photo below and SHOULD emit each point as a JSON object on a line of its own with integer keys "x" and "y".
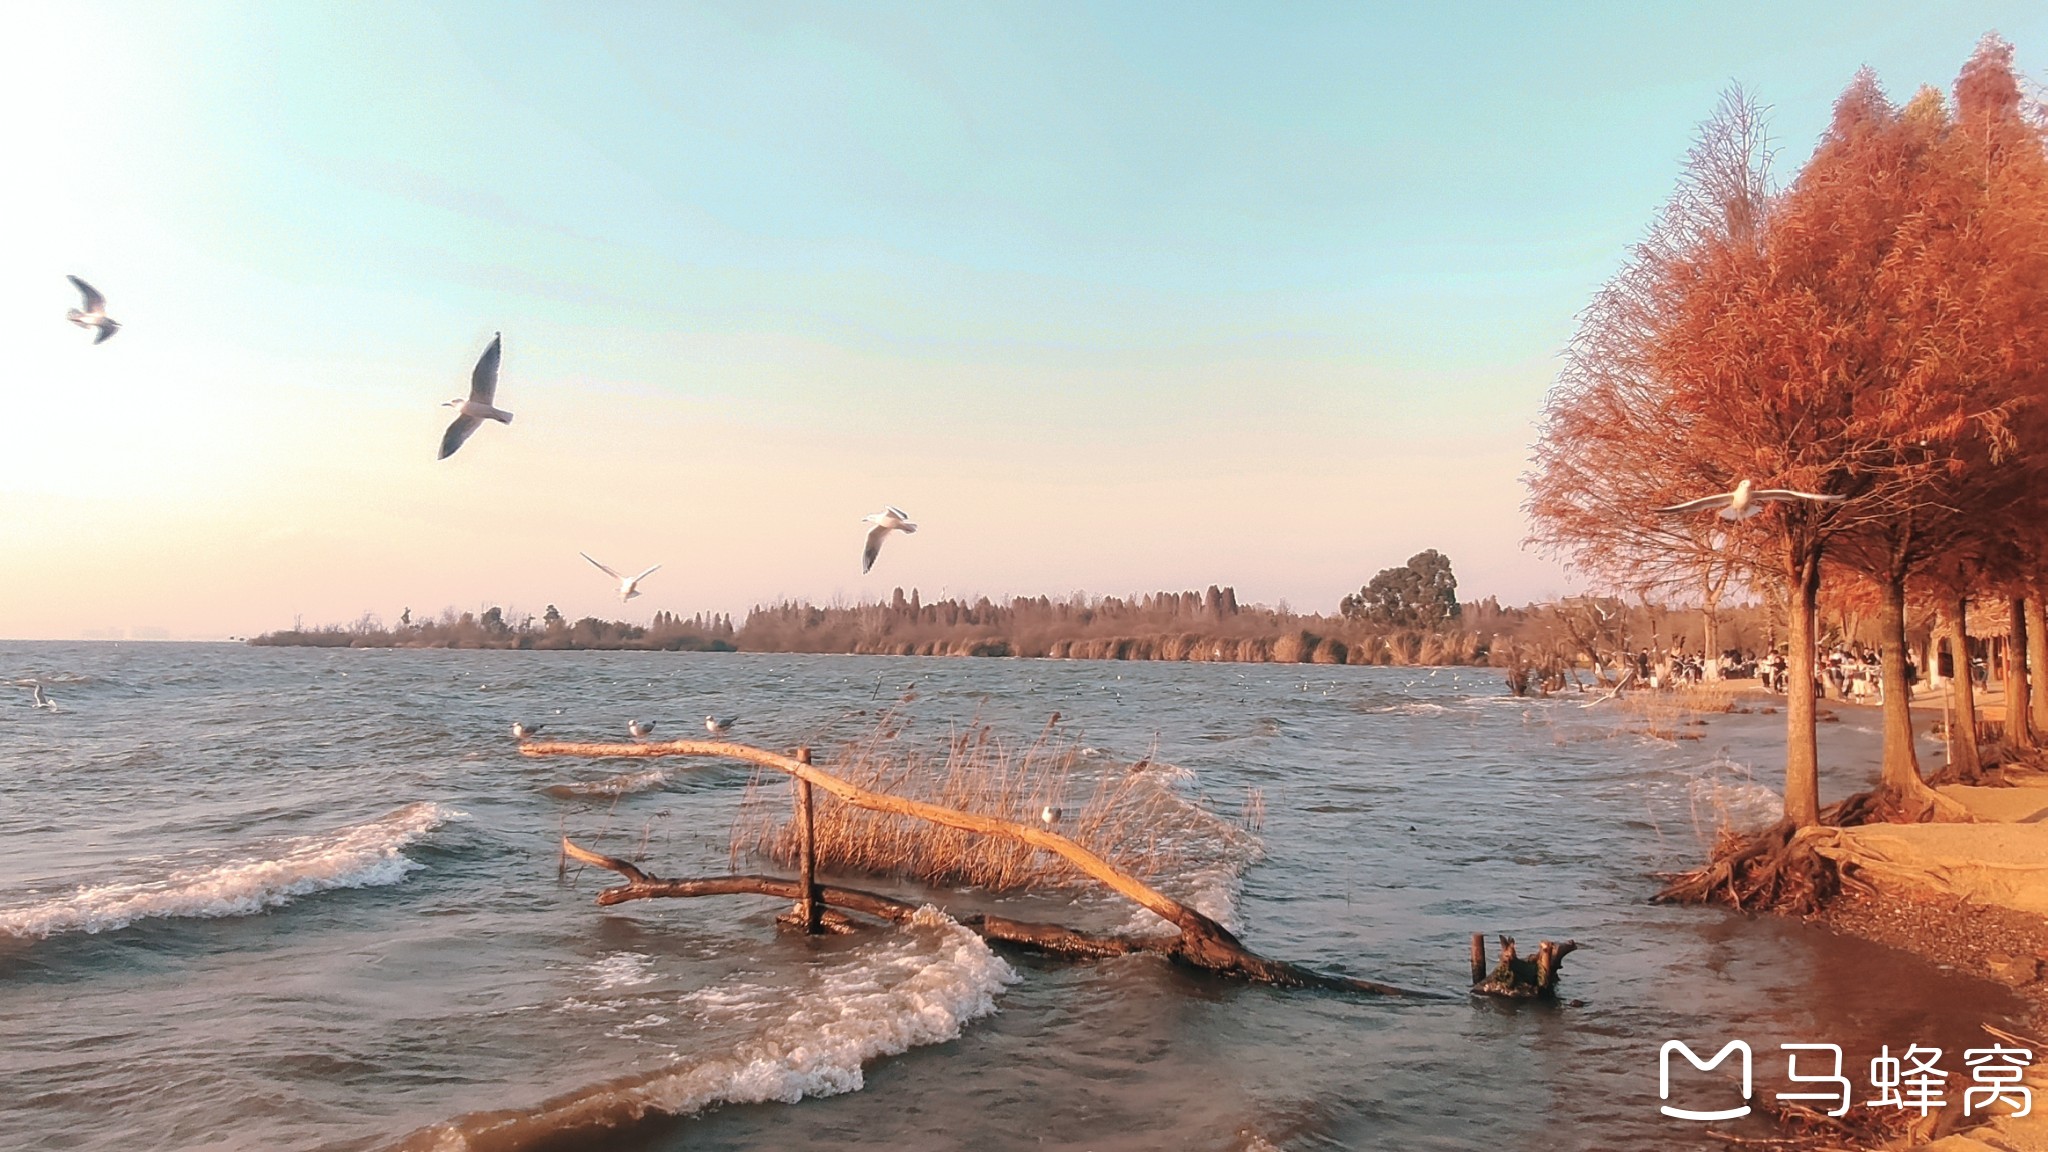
{"x": 1973, "y": 897}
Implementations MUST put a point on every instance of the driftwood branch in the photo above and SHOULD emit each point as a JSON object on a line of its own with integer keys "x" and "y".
{"x": 1201, "y": 941}
{"x": 1171, "y": 910}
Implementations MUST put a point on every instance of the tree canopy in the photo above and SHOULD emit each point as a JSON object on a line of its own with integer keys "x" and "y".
{"x": 1422, "y": 593}
{"x": 1877, "y": 331}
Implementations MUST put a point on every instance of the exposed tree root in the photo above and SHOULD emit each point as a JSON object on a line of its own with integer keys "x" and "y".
{"x": 1803, "y": 1129}
{"x": 1771, "y": 870}
{"x": 1777, "y": 870}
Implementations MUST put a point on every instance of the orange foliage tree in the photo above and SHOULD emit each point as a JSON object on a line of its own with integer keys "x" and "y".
{"x": 1864, "y": 333}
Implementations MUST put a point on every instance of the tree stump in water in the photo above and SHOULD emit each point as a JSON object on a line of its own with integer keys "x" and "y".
{"x": 1515, "y": 978}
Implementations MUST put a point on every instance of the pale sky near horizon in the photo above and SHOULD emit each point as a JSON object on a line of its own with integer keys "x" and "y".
{"x": 1113, "y": 299}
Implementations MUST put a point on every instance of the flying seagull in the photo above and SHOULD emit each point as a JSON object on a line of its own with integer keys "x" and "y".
{"x": 628, "y": 588}
{"x": 1746, "y": 501}
{"x": 483, "y": 385}
{"x": 720, "y": 725}
{"x": 640, "y": 728}
{"x": 890, "y": 519}
{"x": 522, "y": 731}
{"x": 1618, "y": 686}
{"x": 94, "y": 314}
{"x": 38, "y": 699}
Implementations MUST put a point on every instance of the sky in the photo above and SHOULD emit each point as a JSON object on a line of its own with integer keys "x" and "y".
{"x": 1110, "y": 298}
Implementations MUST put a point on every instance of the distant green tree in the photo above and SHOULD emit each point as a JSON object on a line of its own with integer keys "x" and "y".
{"x": 1422, "y": 593}
{"x": 552, "y": 617}
{"x": 494, "y": 620}
{"x": 405, "y": 618}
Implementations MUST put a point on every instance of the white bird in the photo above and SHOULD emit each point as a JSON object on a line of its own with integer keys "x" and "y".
{"x": 1746, "y": 501}
{"x": 1618, "y": 686}
{"x": 38, "y": 699}
{"x": 94, "y": 314}
{"x": 720, "y": 725}
{"x": 640, "y": 728}
{"x": 522, "y": 731}
{"x": 1050, "y": 815}
{"x": 628, "y": 587}
{"x": 483, "y": 387}
{"x": 890, "y": 519}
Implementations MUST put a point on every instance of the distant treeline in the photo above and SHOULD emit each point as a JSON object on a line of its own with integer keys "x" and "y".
{"x": 1196, "y": 626}
{"x": 1204, "y": 626}
{"x": 667, "y": 632}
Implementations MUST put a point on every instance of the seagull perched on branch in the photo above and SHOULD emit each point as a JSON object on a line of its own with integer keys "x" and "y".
{"x": 889, "y": 519}
{"x": 629, "y": 587}
{"x": 524, "y": 731}
{"x": 483, "y": 387}
{"x": 720, "y": 725}
{"x": 1746, "y": 501}
{"x": 94, "y": 314}
{"x": 640, "y": 728}
{"x": 1049, "y": 815}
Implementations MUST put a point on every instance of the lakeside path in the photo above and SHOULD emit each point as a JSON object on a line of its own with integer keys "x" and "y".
{"x": 1974, "y": 895}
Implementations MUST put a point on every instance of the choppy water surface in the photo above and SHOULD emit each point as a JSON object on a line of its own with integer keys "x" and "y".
{"x": 264, "y": 898}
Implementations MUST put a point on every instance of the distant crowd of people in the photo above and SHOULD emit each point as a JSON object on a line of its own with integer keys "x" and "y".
{"x": 1849, "y": 672}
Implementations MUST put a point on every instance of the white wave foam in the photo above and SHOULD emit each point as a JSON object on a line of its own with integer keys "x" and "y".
{"x": 622, "y": 970}
{"x": 1413, "y": 708}
{"x": 919, "y": 987}
{"x": 360, "y": 856}
{"x": 1213, "y": 851}
{"x": 624, "y": 784}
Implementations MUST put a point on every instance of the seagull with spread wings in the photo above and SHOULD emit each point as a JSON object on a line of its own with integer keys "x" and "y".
{"x": 483, "y": 387}
{"x": 890, "y": 519}
{"x": 94, "y": 314}
{"x": 1746, "y": 501}
{"x": 629, "y": 586}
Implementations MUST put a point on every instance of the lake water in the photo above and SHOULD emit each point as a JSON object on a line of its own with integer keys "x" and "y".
{"x": 275, "y": 898}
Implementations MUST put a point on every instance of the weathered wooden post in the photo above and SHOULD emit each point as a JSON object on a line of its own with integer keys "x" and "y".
{"x": 808, "y": 908}
{"x": 1478, "y": 958}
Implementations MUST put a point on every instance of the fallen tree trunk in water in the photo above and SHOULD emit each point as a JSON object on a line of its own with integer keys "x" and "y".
{"x": 1220, "y": 953}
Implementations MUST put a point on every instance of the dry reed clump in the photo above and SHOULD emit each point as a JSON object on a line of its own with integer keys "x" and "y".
{"x": 1673, "y": 714}
{"x": 1131, "y": 815}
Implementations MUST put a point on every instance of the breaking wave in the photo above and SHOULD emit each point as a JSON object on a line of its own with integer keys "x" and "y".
{"x": 624, "y": 784}
{"x": 359, "y": 856}
{"x": 1211, "y": 852}
{"x": 919, "y": 987}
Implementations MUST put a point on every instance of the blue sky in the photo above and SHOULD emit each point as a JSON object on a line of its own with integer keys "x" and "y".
{"x": 1110, "y": 298}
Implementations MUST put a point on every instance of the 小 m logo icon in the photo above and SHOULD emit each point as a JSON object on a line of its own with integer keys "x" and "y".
{"x": 1692, "y": 1058}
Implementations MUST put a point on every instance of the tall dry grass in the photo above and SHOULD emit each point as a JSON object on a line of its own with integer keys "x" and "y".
{"x": 1132, "y": 815}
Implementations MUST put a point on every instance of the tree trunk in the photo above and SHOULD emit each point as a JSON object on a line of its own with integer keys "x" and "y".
{"x": 2019, "y": 681}
{"x": 1802, "y": 746}
{"x": 1710, "y": 633}
{"x": 2037, "y": 659}
{"x": 1963, "y": 757}
{"x": 1901, "y": 764}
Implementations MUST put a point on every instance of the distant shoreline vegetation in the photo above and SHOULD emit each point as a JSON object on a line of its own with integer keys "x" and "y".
{"x": 1196, "y": 626}
{"x": 494, "y": 629}
{"x": 1406, "y": 616}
